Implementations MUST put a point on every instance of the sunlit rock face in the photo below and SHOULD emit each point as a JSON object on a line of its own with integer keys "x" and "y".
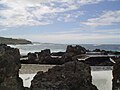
{"x": 69, "y": 76}
{"x": 116, "y": 76}
{"x": 9, "y": 68}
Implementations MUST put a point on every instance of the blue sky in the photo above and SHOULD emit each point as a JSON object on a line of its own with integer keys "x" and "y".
{"x": 61, "y": 21}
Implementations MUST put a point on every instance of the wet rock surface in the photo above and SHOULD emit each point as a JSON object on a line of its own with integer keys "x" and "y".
{"x": 69, "y": 76}
{"x": 116, "y": 76}
{"x": 9, "y": 68}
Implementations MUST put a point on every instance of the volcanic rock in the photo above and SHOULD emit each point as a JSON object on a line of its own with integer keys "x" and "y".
{"x": 69, "y": 76}
{"x": 9, "y": 68}
{"x": 44, "y": 56}
{"x": 72, "y": 52}
{"x": 116, "y": 76}
{"x": 32, "y": 57}
{"x": 75, "y": 50}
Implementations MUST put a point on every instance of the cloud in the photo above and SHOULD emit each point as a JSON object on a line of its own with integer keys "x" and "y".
{"x": 70, "y": 17}
{"x": 37, "y": 12}
{"x": 99, "y": 36}
{"x": 73, "y": 38}
{"x": 106, "y": 18}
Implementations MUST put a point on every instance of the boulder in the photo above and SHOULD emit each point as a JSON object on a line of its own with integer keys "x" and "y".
{"x": 44, "y": 56}
{"x": 69, "y": 76}
{"x": 75, "y": 50}
{"x": 116, "y": 76}
{"x": 9, "y": 68}
{"x": 72, "y": 52}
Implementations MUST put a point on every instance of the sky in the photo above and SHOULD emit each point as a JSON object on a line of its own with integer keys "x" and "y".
{"x": 61, "y": 21}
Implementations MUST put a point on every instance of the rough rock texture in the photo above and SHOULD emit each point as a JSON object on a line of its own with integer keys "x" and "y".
{"x": 75, "y": 50}
{"x": 69, "y": 76}
{"x": 116, "y": 76}
{"x": 72, "y": 52}
{"x": 44, "y": 56}
{"x": 32, "y": 58}
{"x": 116, "y": 59}
{"x": 9, "y": 68}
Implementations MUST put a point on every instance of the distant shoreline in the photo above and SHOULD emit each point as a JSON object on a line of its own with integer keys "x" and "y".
{"x": 13, "y": 41}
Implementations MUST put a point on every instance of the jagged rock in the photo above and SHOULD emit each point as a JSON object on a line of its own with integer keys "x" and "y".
{"x": 44, "y": 56}
{"x": 9, "y": 68}
{"x": 116, "y": 76}
{"x": 116, "y": 59}
{"x": 32, "y": 58}
{"x": 75, "y": 50}
{"x": 72, "y": 52}
{"x": 69, "y": 76}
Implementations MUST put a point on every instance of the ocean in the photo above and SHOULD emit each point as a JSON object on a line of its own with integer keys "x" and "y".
{"x": 37, "y": 47}
{"x": 101, "y": 78}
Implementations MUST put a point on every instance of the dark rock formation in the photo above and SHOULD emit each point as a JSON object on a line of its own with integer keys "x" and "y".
{"x": 69, "y": 76}
{"x": 44, "y": 56}
{"x": 116, "y": 59}
{"x": 75, "y": 50}
{"x": 32, "y": 58}
{"x": 116, "y": 76}
{"x": 57, "y": 53}
{"x": 72, "y": 52}
{"x": 99, "y": 61}
{"x": 9, "y": 68}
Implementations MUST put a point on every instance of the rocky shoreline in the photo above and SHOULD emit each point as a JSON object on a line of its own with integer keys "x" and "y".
{"x": 73, "y": 74}
{"x": 93, "y": 58}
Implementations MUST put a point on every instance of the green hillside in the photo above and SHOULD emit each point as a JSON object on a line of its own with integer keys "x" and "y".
{"x": 13, "y": 41}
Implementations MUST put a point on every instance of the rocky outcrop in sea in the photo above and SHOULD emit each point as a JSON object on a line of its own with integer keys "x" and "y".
{"x": 58, "y": 58}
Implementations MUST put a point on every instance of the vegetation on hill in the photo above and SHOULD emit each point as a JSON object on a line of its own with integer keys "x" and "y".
{"x": 13, "y": 41}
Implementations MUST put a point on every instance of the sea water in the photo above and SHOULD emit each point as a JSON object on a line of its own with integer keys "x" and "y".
{"x": 101, "y": 79}
{"x": 26, "y": 48}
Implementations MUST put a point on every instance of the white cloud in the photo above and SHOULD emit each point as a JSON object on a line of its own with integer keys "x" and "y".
{"x": 33, "y": 12}
{"x": 73, "y": 38}
{"x": 106, "y": 18}
{"x": 70, "y": 16}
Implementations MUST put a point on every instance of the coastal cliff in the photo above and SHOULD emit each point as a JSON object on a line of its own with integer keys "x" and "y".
{"x": 14, "y": 41}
